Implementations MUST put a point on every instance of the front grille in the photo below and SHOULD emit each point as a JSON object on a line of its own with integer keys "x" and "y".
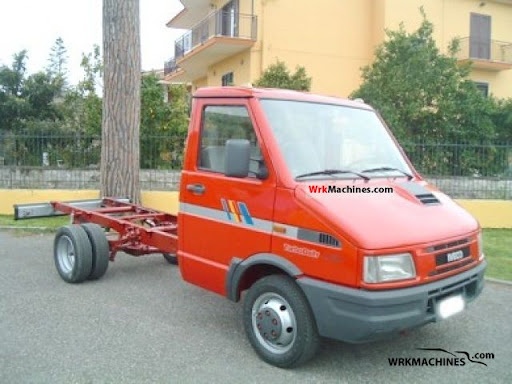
{"x": 452, "y": 256}
{"x": 451, "y": 244}
{"x": 450, "y": 268}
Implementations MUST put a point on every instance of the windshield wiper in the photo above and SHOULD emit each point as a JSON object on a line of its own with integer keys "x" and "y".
{"x": 331, "y": 172}
{"x": 383, "y": 169}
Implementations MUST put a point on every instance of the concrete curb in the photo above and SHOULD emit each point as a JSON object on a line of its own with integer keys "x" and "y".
{"x": 498, "y": 281}
{"x": 25, "y": 228}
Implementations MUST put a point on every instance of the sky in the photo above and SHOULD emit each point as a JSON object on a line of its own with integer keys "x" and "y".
{"x": 34, "y": 25}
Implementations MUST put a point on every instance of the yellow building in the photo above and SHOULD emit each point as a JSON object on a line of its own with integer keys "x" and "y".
{"x": 233, "y": 41}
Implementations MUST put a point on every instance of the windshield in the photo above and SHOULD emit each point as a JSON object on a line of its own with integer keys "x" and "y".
{"x": 315, "y": 137}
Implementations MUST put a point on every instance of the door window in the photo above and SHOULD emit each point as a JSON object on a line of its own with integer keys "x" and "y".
{"x": 221, "y": 123}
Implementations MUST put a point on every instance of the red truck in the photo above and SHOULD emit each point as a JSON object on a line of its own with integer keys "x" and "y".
{"x": 304, "y": 204}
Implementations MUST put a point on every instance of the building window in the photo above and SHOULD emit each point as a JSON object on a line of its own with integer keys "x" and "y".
{"x": 480, "y": 36}
{"x": 227, "y": 79}
{"x": 483, "y": 87}
{"x": 229, "y": 19}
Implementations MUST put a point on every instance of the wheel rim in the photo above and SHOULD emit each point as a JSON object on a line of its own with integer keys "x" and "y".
{"x": 65, "y": 254}
{"x": 274, "y": 323}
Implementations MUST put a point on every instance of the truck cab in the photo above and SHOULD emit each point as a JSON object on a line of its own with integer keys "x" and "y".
{"x": 308, "y": 206}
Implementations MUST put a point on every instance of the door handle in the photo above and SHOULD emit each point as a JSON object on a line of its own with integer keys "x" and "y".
{"x": 198, "y": 189}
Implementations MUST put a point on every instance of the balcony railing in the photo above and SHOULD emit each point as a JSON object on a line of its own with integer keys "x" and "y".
{"x": 495, "y": 51}
{"x": 170, "y": 66}
{"x": 217, "y": 24}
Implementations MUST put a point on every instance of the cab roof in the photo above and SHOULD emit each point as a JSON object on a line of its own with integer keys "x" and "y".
{"x": 274, "y": 93}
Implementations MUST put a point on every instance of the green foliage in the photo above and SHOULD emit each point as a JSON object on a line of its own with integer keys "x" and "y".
{"x": 26, "y": 98}
{"x": 82, "y": 112}
{"x": 82, "y": 107}
{"x": 179, "y": 99}
{"x": 11, "y": 108}
{"x": 163, "y": 124}
{"x": 40, "y": 114}
{"x": 155, "y": 112}
{"x": 425, "y": 95}
{"x": 502, "y": 118}
{"x": 56, "y": 69}
{"x": 278, "y": 76}
{"x": 58, "y": 59}
{"x": 40, "y": 92}
{"x": 11, "y": 79}
{"x": 92, "y": 64}
{"x": 12, "y": 105}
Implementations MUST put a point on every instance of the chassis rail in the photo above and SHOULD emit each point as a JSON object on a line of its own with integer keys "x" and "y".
{"x": 130, "y": 228}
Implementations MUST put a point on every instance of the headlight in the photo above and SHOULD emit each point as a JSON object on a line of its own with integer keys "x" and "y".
{"x": 480, "y": 241}
{"x": 379, "y": 269}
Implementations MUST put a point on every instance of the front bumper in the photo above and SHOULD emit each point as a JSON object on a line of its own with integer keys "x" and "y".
{"x": 359, "y": 316}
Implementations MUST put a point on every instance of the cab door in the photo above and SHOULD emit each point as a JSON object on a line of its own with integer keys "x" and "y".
{"x": 223, "y": 217}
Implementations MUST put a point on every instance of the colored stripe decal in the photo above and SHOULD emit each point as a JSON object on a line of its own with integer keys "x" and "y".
{"x": 233, "y": 211}
{"x": 245, "y": 213}
{"x": 225, "y": 207}
{"x": 220, "y": 216}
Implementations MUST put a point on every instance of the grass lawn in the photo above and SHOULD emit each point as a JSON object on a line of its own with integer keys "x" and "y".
{"x": 498, "y": 251}
{"x": 45, "y": 224}
{"x": 497, "y": 242}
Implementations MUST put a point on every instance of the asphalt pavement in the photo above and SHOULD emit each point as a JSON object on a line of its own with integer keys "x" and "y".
{"x": 141, "y": 323}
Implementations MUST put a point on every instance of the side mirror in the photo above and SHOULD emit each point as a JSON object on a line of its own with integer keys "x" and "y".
{"x": 262, "y": 172}
{"x": 237, "y": 158}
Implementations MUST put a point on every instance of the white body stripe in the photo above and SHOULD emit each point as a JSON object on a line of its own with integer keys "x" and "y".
{"x": 220, "y": 215}
{"x": 262, "y": 225}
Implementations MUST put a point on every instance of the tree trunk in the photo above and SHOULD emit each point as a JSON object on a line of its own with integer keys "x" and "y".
{"x": 121, "y": 100}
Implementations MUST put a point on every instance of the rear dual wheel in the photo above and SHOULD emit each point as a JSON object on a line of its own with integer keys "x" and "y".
{"x": 81, "y": 252}
{"x": 100, "y": 250}
{"x": 170, "y": 258}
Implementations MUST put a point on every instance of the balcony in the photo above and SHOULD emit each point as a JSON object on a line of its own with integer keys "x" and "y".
{"x": 170, "y": 66}
{"x": 218, "y": 36}
{"x": 491, "y": 56}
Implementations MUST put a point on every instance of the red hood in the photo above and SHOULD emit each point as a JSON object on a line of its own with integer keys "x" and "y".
{"x": 379, "y": 221}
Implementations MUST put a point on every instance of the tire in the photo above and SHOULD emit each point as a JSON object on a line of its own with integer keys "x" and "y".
{"x": 100, "y": 250}
{"x": 72, "y": 253}
{"x": 279, "y": 323}
{"x": 170, "y": 258}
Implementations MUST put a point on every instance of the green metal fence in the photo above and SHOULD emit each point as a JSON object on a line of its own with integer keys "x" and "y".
{"x": 79, "y": 151}
{"x": 461, "y": 159}
{"x": 474, "y": 171}
{"x": 72, "y": 161}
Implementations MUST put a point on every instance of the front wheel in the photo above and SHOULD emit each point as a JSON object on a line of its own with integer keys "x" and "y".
{"x": 279, "y": 322}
